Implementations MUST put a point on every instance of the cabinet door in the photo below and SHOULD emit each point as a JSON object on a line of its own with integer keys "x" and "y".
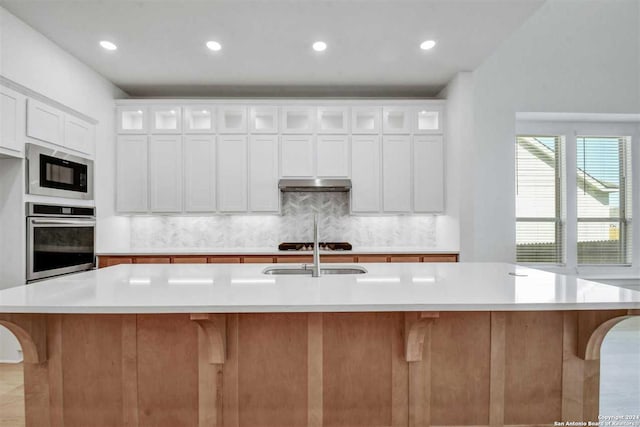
{"x": 263, "y": 173}
{"x": 428, "y": 173}
{"x": 396, "y": 120}
{"x": 44, "y": 122}
{"x": 365, "y": 173}
{"x": 132, "y": 119}
{"x": 232, "y": 119}
{"x": 298, "y": 119}
{"x": 396, "y": 173}
{"x": 232, "y": 173}
{"x": 199, "y": 119}
{"x": 332, "y": 156}
{"x": 428, "y": 119}
{"x": 165, "y": 173}
{"x": 333, "y": 119}
{"x": 366, "y": 120}
{"x": 166, "y": 119}
{"x": 200, "y": 173}
{"x": 264, "y": 119}
{"x": 78, "y": 134}
{"x": 296, "y": 156}
{"x": 131, "y": 173}
{"x": 12, "y": 116}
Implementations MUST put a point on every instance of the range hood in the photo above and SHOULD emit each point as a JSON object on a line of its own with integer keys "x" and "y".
{"x": 315, "y": 185}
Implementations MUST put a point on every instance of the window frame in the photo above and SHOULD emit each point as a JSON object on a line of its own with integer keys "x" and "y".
{"x": 572, "y": 129}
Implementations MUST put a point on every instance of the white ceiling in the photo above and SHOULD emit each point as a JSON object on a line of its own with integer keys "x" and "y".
{"x": 373, "y": 44}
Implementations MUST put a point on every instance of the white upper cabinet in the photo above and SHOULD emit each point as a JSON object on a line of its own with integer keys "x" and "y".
{"x": 131, "y": 174}
{"x": 298, "y": 119}
{"x": 232, "y": 119}
{"x": 232, "y": 173}
{"x": 132, "y": 119}
{"x": 12, "y": 121}
{"x": 165, "y": 173}
{"x": 428, "y": 174}
{"x": 297, "y": 156}
{"x": 333, "y": 120}
{"x": 44, "y": 122}
{"x": 365, "y": 174}
{"x": 396, "y": 120}
{"x": 166, "y": 119}
{"x": 199, "y": 119}
{"x": 396, "y": 174}
{"x": 264, "y": 195}
{"x": 79, "y": 135}
{"x": 263, "y": 119}
{"x": 332, "y": 156}
{"x": 199, "y": 173}
{"x": 365, "y": 120}
{"x": 428, "y": 119}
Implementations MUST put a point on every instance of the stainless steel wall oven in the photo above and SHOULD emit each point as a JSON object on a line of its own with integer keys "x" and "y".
{"x": 60, "y": 240}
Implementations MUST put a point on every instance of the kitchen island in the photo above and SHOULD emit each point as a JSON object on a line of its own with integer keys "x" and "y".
{"x": 225, "y": 345}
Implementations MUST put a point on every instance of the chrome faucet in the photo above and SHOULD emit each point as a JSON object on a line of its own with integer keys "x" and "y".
{"x": 315, "y": 270}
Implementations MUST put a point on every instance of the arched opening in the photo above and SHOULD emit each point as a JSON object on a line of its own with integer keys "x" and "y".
{"x": 620, "y": 369}
{"x": 12, "y": 410}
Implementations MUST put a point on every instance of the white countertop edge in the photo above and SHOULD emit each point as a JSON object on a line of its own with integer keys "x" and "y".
{"x": 247, "y": 309}
{"x": 269, "y": 251}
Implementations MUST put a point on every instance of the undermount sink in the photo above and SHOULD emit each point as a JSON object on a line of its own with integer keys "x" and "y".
{"x": 306, "y": 270}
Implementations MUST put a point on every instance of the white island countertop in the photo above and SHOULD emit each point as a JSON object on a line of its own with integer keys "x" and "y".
{"x": 242, "y": 288}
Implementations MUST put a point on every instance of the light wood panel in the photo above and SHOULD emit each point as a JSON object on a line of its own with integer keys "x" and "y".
{"x": 460, "y": 368}
{"x": 533, "y": 367}
{"x": 189, "y": 260}
{"x": 405, "y": 258}
{"x": 167, "y": 370}
{"x": 373, "y": 258}
{"x": 357, "y": 349}
{"x": 225, "y": 260}
{"x": 108, "y": 261}
{"x": 92, "y": 372}
{"x": 272, "y": 369}
{"x": 314, "y": 369}
{"x": 258, "y": 259}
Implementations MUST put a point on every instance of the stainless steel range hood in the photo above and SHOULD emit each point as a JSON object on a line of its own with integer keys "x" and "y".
{"x": 315, "y": 185}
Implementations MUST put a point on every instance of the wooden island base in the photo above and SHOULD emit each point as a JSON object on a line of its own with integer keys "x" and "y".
{"x": 312, "y": 369}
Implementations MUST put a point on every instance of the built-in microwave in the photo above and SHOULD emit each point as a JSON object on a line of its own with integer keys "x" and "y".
{"x": 54, "y": 173}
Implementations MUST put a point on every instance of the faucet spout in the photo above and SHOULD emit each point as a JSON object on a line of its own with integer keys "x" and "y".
{"x": 315, "y": 271}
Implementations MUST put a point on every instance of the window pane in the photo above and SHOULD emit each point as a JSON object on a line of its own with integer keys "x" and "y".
{"x": 602, "y": 201}
{"x": 536, "y": 242}
{"x": 537, "y": 202}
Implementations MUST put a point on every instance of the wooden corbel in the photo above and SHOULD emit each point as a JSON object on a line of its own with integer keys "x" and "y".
{"x": 213, "y": 328}
{"x": 416, "y": 326}
{"x": 31, "y": 332}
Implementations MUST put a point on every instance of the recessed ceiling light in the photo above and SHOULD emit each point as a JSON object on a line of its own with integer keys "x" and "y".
{"x": 108, "y": 45}
{"x": 214, "y": 45}
{"x": 427, "y": 44}
{"x": 319, "y": 46}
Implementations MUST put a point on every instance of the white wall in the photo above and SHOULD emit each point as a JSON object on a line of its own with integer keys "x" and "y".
{"x": 29, "y": 58}
{"x": 32, "y": 60}
{"x": 570, "y": 56}
{"x": 458, "y": 171}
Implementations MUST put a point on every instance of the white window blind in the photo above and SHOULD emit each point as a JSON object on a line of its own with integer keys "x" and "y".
{"x": 539, "y": 233}
{"x": 603, "y": 200}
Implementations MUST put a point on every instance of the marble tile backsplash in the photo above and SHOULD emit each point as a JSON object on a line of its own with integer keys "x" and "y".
{"x": 295, "y": 224}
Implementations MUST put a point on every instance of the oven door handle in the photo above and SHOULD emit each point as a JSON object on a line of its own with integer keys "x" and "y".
{"x": 79, "y": 222}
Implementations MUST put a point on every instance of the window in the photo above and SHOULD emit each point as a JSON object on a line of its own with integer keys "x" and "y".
{"x": 573, "y": 193}
{"x": 539, "y": 233}
{"x": 603, "y": 200}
